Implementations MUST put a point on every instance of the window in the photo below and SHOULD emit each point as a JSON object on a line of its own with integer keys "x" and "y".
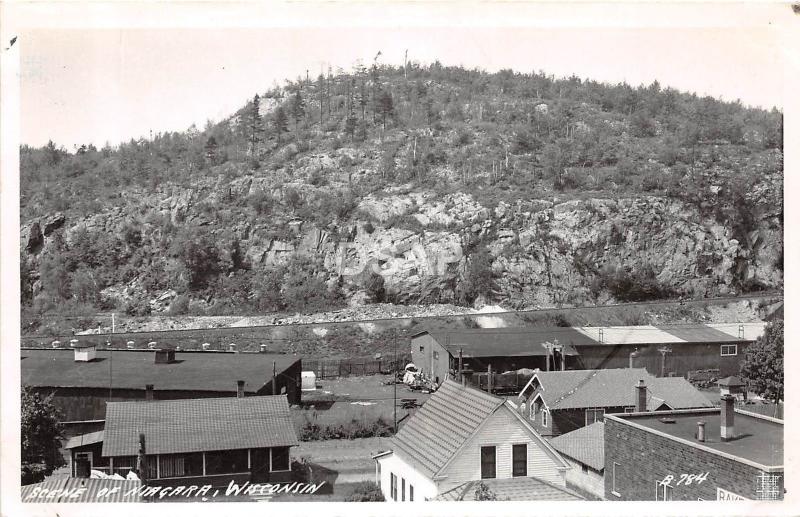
{"x": 280, "y": 458}
{"x": 402, "y": 489}
{"x": 663, "y": 492}
{"x": 488, "y": 462}
{"x": 436, "y": 355}
{"x": 614, "y": 467}
{"x": 410, "y": 492}
{"x": 544, "y": 418}
{"x": 393, "y": 487}
{"x": 179, "y": 465}
{"x": 519, "y": 460}
{"x": 594, "y": 415}
{"x": 728, "y": 350}
{"x": 530, "y": 410}
{"x": 421, "y": 348}
{"x": 227, "y": 462}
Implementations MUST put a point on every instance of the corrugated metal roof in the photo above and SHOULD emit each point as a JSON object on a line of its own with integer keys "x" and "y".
{"x": 84, "y": 439}
{"x": 193, "y": 425}
{"x": 527, "y": 341}
{"x": 512, "y": 489}
{"x": 193, "y": 371}
{"x": 575, "y": 389}
{"x": 442, "y": 425}
{"x": 690, "y": 333}
{"x": 82, "y": 490}
{"x": 585, "y": 445}
{"x": 507, "y": 342}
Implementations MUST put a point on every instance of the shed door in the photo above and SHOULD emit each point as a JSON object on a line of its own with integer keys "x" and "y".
{"x": 83, "y": 464}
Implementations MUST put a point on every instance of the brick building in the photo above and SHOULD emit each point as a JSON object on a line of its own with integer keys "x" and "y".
{"x": 703, "y": 454}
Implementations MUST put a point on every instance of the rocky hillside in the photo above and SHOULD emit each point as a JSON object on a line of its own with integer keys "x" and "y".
{"x": 418, "y": 186}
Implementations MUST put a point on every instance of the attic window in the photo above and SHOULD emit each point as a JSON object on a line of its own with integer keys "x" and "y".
{"x": 421, "y": 348}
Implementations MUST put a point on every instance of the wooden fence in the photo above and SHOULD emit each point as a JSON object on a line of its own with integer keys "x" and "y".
{"x": 335, "y": 368}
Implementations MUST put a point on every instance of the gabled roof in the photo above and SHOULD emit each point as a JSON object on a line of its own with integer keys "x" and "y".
{"x": 732, "y": 382}
{"x": 447, "y": 421}
{"x": 193, "y": 425}
{"x": 192, "y": 371}
{"x": 442, "y": 425}
{"x": 512, "y": 489}
{"x": 585, "y": 445}
{"x": 508, "y": 342}
{"x": 575, "y": 389}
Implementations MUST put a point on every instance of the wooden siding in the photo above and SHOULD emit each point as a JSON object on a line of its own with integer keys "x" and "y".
{"x": 683, "y": 358}
{"x": 502, "y": 430}
{"x": 424, "y": 488}
{"x": 425, "y": 360}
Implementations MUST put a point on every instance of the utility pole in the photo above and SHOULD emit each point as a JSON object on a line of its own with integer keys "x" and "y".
{"x": 394, "y": 377}
{"x": 664, "y": 351}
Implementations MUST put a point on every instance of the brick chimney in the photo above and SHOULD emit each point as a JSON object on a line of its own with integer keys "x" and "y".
{"x": 148, "y": 392}
{"x": 240, "y": 389}
{"x": 726, "y": 430}
{"x": 641, "y": 397}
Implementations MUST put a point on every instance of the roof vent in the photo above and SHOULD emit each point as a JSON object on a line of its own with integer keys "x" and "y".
{"x": 263, "y": 349}
{"x": 666, "y": 420}
{"x": 130, "y": 345}
{"x": 84, "y": 352}
{"x": 165, "y": 356}
{"x": 232, "y": 347}
{"x": 205, "y": 346}
{"x": 152, "y": 345}
{"x": 56, "y": 344}
{"x": 73, "y": 343}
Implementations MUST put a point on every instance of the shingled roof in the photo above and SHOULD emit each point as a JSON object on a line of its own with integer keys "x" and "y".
{"x": 512, "y": 489}
{"x": 585, "y": 445}
{"x": 194, "y": 425}
{"x": 575, "y": 389}
{"x": 443, "y": 424}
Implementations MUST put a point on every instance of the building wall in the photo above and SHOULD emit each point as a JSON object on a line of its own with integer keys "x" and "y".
{"x": 645, "y": 458}
{"x": 425, "y": 359}
{"x": 683, "y": 358}
{"x": 585, "y": 480}
{"x": 289, "y": 382}
{"x": 79, "y": 404}
{"x": 424, "y": 488}
{"x": 502, "y": 430}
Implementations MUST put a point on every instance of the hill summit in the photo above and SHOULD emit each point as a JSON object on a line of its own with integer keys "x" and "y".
{"x": 412, "y": 185}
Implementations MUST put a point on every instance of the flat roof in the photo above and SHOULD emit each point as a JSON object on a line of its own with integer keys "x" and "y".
{"x": 710, "y": 333}
{"x": 132, "y": 369}
{"x": 507, "y": 342}
{"x": 758, "y": 440}
{"x": 526, "y": 341}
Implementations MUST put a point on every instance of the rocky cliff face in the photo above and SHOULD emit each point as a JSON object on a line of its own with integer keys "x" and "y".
{"x": 543, "y": 253}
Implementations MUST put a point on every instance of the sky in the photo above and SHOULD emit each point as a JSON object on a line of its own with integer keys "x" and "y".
{"x": 111, "y": 85}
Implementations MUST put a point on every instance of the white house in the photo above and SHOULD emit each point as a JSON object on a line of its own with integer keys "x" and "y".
{"x": 459, "y": 435}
